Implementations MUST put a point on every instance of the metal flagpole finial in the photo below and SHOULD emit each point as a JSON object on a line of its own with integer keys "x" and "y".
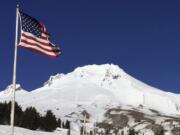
{"x": 17, "y": 6}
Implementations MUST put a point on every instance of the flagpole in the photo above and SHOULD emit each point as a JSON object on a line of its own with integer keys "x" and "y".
{"x": 14, "y": 74}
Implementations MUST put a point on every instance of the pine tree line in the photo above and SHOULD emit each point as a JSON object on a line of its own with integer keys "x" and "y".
{"x": 30, "y": 118}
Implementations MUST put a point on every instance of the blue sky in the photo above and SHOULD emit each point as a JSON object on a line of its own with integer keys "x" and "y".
{"x": 142, "y": 37}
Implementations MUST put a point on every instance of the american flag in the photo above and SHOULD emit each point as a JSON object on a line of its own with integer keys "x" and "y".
{"x": 35, "y": 36}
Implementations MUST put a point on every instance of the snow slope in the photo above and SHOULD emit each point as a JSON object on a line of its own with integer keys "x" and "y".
{"x": 6, "y": 130}
{"x": 95, "y": 87}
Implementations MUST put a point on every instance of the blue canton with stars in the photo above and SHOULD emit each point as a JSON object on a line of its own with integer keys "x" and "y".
{"x": 30, "y": 24}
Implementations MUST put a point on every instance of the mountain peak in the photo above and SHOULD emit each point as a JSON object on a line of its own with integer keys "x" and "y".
{"x": 52, "y": 79}
{"x": 100, "y": 69}
{"x": 9, "y": 88}
{"x": 93, "y": 73}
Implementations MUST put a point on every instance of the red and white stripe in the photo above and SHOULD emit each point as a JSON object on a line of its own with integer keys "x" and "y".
{"x": 42, "y": 44}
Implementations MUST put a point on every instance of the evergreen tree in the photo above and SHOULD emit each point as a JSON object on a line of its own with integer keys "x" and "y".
{"x": 30, "y": 119}
{"x": 63, "y": 125}
{"x": 7, "y": 112}
{"x": 132, "y": 132}
{"x": 67, "y": 125}
{"x": 59, "y": 123}
{"x": 3, "y": 115}
{"x": 18, "y": 115}
{"x": 48, "y": 122}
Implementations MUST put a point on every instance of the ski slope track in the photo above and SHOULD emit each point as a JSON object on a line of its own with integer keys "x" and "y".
{"x": 94, "y": 88}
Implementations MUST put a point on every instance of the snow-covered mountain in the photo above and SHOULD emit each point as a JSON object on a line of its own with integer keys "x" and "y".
{"x": 96, "y": 89}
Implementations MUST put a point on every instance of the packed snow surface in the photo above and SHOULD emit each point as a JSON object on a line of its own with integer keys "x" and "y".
{"x": 6, "y": 130}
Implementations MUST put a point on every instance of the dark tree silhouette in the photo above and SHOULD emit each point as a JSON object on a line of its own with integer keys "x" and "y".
{"x": 49, "y": 122}
{"x": 30, "y": 118}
